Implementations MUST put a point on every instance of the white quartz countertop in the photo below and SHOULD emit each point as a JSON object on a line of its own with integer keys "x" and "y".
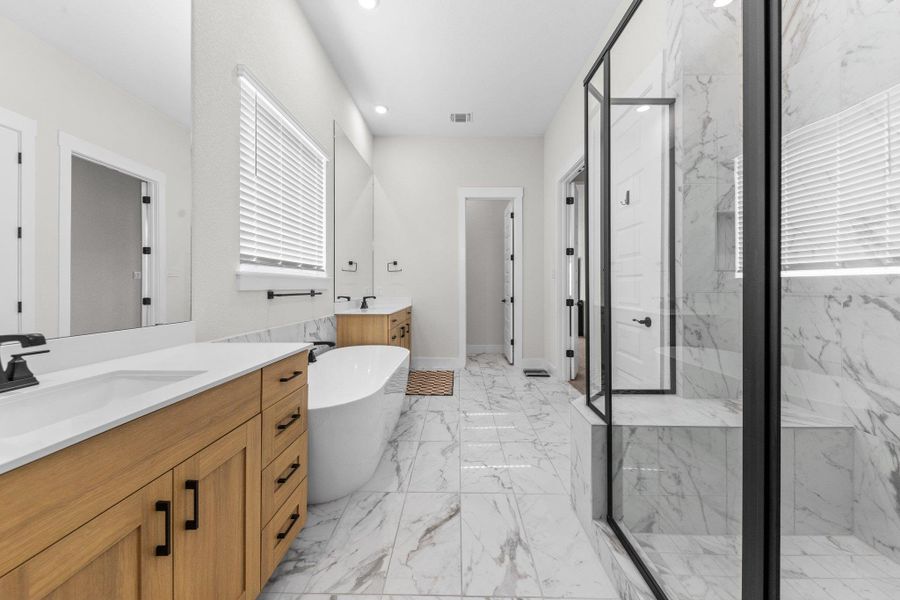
{"x": 27, "y": 433}
{"x": 376, "y": 309}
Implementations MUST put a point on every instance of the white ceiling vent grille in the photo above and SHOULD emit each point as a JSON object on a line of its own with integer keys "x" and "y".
{"x": 460, "y": 117}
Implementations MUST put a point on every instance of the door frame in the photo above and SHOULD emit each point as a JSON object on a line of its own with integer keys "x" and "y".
{"x": 502, "y": 194}
{"x": 156, "y": 284}
{"x": 562, "y": 318}
{"x": 27, "y": 129}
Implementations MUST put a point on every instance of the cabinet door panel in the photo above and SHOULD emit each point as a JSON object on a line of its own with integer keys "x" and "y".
{"x": 112, "y": 556}
{"x": 217, "y": 519}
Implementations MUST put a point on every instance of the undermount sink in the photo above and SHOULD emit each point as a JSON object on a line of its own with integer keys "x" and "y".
{"x": 39, "y": 408}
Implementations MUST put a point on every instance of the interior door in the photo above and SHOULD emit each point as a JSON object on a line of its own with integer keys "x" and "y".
{"x": 9, "y": 223}
{"x": 124, "y": 553}
{"x": 217, "y": 519}
{"x": 508, "y": 282}
{"x": 572, "y": 275}
{"x": 638, "y": 159}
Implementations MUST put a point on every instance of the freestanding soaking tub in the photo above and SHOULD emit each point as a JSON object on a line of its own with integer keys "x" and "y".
{"x": 355, "y": 398}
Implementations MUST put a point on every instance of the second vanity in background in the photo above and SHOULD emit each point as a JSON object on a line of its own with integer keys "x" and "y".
{"x": 386, "y": 325}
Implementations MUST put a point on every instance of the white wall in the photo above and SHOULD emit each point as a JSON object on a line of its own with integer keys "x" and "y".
{"x": 563, "y": 147}
{"x": 416, "y": 214}
{"x": 273, "y": 39}
{"x": 60, "y": 94}
{"x": 484, "y": 274}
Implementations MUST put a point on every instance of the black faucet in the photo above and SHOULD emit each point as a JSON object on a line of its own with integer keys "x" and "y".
{"x": 17, "y": 374}
{"x": 365, "y": 304}
{"x": 312, "y": 353}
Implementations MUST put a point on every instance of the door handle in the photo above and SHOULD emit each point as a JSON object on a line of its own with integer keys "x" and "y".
{"x": 646, "y": 321}
{"x": 503, "y": 301}
{"x": 165, "y": 507}
{"x": 193, "y": 485}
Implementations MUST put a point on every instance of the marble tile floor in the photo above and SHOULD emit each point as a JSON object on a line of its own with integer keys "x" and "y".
{"x": 814, "y": 567}
{"x": 471, "y": 499}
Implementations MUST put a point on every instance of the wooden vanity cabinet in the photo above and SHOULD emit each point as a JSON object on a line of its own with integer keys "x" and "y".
{"x": 165, "y": 507}
{"x": 384, "y": 330}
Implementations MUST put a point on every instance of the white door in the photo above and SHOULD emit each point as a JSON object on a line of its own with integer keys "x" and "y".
{"x": 10, "y": 186}
{"x": 638, "y": 155}
{"x": 508, "y": 282}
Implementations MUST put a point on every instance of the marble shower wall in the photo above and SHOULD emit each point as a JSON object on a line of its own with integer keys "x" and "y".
{"x": 703, "y": 74}
{"x": 841, "y": 335}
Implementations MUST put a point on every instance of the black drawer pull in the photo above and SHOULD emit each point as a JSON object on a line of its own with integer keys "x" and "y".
{"x": 283, "y": 534}
{"x": 165, "y": 507}
{"x": 193, "y": 485}
{"x": 294, "y": 376}
{"x": 294, "y": 467}
{"x": 294, "y": 418}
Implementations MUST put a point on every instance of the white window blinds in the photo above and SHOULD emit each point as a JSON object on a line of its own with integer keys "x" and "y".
{"x": 840, "y": 190}
{"x": 282, "y": 188}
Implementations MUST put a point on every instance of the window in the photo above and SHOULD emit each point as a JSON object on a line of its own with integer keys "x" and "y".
{"x": 840, "y": 192}
{"x": 282, "y": 191}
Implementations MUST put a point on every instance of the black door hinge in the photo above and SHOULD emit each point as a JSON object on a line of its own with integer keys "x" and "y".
{"x": 145, "y": 301}
{"x": 570, "y": 200}
{"x": 570, "y": 302}
{"x": 145, "y": 199}
{"x": 512, "y": 342}
{"x": 512, "y": 299}
{"x": 20, "y": 158}
{"x": 570, "y": 251}
{"x": 512, "y": 215}
{"x": 146, "y": 249}
{"x": 19, "y": 233}
{"x": 570, "y": 354}
{"x": 19, "y": 307}
{"x": 512, "y": 257}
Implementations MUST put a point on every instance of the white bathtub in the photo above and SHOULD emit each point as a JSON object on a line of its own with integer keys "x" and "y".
{"x": 355, "y": 398}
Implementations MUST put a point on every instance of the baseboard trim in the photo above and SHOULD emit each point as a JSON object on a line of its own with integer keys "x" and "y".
{"x": 426, "y": 363}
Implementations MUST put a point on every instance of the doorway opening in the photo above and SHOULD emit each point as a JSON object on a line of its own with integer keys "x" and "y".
{"x": 490, "y": 273}
{"x": 111, "y": 214}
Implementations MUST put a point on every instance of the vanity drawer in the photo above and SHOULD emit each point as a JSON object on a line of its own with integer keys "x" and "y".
{"x": 281, "y": 477}
{"x": 282, "y": 529}
{"x": 398, "y": 318}
{"x": 282, "y": 378}
{"x": 282, "y": 424}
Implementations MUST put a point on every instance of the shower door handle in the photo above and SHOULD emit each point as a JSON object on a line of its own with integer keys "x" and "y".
{"x": 646, "y": 321}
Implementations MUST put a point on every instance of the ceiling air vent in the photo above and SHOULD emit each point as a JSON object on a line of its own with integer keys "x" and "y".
{"x": 460, "y": 117}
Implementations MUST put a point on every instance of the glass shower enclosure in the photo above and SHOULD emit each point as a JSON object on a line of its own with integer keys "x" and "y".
{"x": 743, "y": 184}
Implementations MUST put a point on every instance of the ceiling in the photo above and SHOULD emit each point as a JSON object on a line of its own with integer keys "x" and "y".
{"x": 143, "y": 47}
{"x": 509, "y": 62}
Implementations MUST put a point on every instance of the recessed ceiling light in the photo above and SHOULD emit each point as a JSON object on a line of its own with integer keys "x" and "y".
{"x": 381, "y": 110}
{"x": 371, "y": 4}
{"x": 716, "y": 3}
{"x": 642, "y": 108}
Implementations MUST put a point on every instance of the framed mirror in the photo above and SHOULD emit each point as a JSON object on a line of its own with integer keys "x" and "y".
{"x": 354, "y": 213}
{"x": 95, "y": 165}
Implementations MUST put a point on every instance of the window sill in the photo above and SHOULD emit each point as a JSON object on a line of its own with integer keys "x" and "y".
{"x": 254, "y": 279}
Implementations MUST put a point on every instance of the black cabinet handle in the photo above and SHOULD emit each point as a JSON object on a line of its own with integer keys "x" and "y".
{"x": 283, "y": 534}
{"x": 294, "y": 376}
{"x": 193, "y": 485}
{"x": 294, "y": 418}
{"x": 165, "y": 507}
{"x": 294, "y": 468}
{"x": 402, "y": 332}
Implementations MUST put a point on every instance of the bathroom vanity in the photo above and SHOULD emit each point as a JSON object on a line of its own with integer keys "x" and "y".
{"x": 193, "y": 488}
{"x": 388, "y": 325}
